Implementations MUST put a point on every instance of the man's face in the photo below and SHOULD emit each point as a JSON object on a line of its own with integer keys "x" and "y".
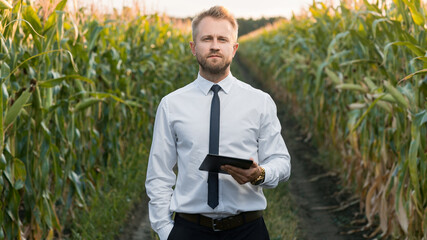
{"x": 214, "y": 46}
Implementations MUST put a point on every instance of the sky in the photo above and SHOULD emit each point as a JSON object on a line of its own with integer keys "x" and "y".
{"x": 189, "y": 8}
{"x": 239, "y": 8}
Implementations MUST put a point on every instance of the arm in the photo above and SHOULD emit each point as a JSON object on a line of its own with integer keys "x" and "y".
{"x": 272, "y": 152}
{"x": 160, "y": 175}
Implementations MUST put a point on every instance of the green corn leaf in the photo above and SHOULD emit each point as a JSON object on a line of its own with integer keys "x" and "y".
{"x": 421, "y": 118}
{"x": 351, "y": 86}
{"x": 424, "y": 59}
{"x": 101, "y": 96}
{"x": 29, "y": 25}
{"x": 376, "y": 22}
{"x": 51, "y": 21}
{"x": 5, "y": 69}
{"x": 94, "y": 36}
{"x": 279, "y": 71}
{"x": 85, "y": 103}
{"x": 105, "y": 95}
{"x": 38, "y": 55}
{"x": 31, "y": 16}
{"x": 61, "y": 5}
{"x": 388, "y": 98}
{"x": 396, "y": 95}
{"x": 334, "y": 77}
{"x": 385, "y": 106}
{"x": 417, "y": 16}
{"x": 413, "y": 74}
{"x": 423, "y": 86}
{"x": 16, "y": 108}
{"x": 76, "y": 30}
{"x": 19, "y": 173}
{"x": 46, "y": 212}
{"x": 335, "y": 40}
{"x": 57, "y": 81}
{"x": 355, "y": 126}
{"x": 133, "y": 104}
{"x": 319, "y": 74}
{"x": 355, "y": 61}
{"x": 409, "y": 92}
{"x": 412, "y": 160}
{"x": 1, "y": 220}
{"x": 75, "y": 179}
{"x": 4, "y": 4}
{"x": 4, "y": 94}
{"x": 3, "y": 162}
{"x": 417, "y": 50}
{"x": 370, "y": 83}
{"x": 60, "y": 24}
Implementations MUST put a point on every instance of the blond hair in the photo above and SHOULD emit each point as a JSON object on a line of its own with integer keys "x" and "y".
{"x": 216, "y": 12}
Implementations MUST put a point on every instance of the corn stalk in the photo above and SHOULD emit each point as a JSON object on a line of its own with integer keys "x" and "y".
{"x": 357, "y": 74}
{"x": 66, "y": 130}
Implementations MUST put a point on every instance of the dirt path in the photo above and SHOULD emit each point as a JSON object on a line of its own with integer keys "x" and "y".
{"x": 137, "y": 226}
{"x": 325, "y": 211}
{"x": 317, "y": 194}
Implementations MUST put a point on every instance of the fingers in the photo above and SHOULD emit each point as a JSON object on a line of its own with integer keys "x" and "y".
{"x": 236, "y": 174}
{"x": 242, "y": 176}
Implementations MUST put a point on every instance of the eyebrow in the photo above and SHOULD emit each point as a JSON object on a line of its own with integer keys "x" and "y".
{"x": 211, "y": 36}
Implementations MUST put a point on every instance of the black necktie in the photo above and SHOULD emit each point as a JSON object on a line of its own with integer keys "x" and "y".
{"x": 214, "y": 147}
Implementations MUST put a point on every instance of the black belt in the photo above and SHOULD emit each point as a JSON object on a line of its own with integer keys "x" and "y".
{"x": 224, "y": 223}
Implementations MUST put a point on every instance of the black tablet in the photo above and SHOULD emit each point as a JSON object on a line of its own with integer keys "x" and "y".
{"x": 212, "y": 163}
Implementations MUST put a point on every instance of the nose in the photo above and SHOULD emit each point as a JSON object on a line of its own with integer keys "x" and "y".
{"x": 214, "y": 45}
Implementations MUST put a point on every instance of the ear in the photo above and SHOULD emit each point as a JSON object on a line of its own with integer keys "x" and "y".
{"x": 235, "y": 47}
{"x": 193, "y": 48}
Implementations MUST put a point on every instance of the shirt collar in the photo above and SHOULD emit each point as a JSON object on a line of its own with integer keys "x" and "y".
{"x": 205, "y": 85}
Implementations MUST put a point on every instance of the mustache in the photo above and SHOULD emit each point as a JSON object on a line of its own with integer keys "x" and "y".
{"x": 215, "y": 53}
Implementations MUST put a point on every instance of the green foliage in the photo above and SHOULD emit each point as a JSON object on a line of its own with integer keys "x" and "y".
{"x": 110, "y": 207}
{"x": 280, "y": 217}
{"x": 356, "y": 77}
{"x": 70, "y": 137}
{"x": 248, "y": 25}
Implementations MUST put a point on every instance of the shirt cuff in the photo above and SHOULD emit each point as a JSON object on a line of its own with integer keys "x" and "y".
{"x": 165, "y": 231}
{"x": 267, "y": 177}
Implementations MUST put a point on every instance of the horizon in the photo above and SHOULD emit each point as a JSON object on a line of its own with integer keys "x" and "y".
{"x": 180, "y": 9}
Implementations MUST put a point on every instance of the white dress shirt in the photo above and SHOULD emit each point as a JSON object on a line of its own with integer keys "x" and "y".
{"x": 249, "y": 128}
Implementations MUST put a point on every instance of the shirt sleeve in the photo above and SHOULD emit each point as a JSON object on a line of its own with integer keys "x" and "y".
{"x": 272, "y": 151}
{"x": 160, "y": 175}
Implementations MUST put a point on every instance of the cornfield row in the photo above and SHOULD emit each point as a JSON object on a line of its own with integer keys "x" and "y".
{"x": 357, "y": 74}
{"x": 79, "y": 95}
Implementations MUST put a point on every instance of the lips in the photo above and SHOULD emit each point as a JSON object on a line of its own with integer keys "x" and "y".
{"x": 213, "y": 56}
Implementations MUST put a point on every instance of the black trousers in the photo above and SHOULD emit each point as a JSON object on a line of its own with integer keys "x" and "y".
{"x": 185, "y": 230}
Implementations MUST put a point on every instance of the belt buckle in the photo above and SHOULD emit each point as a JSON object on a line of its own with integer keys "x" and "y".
{"x": 214, "y": 226}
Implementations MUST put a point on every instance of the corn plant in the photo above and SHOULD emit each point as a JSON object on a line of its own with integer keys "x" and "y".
{"x": 78, "y": 99}
{"x": 357, "y": 74}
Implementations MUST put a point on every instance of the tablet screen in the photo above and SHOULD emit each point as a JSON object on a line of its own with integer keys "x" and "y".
{"x": 212, "y": 163}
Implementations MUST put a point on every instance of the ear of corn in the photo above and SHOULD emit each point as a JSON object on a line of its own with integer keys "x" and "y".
{"x": 357, "y": 74}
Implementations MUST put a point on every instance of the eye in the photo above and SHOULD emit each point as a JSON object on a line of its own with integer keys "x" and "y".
{"x": 205, "y": 39}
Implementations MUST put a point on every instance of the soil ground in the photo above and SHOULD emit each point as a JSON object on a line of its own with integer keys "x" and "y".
{"x": 326, "y": 211}
{"x": 137, "y": 226}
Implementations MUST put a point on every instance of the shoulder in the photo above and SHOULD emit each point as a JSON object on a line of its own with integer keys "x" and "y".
{"x": 180, "y": 92}
{"x": 252, "y": 91}
{"x": 259, "y": 99}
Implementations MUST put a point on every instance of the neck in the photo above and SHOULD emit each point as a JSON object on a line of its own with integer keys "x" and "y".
{"x": 215, "y": 78}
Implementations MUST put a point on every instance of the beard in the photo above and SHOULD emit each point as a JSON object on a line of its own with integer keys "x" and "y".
{"x": 214, "y": 69}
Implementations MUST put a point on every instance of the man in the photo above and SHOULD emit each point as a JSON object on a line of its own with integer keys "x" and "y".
{"x": 215, "y": 114}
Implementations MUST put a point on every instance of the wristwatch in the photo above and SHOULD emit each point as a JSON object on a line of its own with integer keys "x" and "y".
{"x": 260, "y": 178}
